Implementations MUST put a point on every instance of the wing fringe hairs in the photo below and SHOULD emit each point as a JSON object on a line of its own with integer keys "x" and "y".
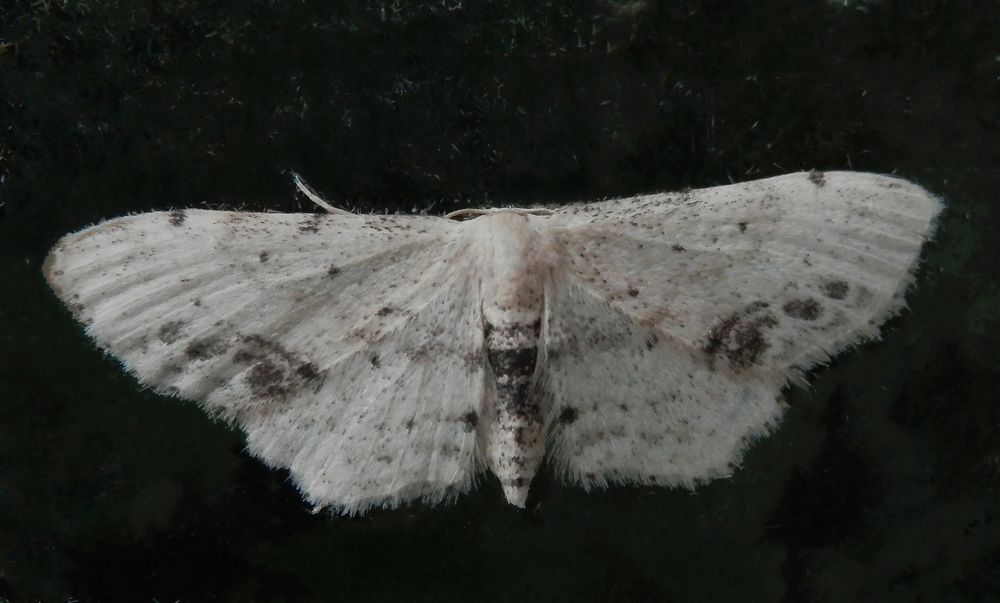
{"x": 387, "y": 359}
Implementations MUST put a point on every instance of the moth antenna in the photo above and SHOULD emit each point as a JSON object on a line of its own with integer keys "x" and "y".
{"x": 306, "y": 190}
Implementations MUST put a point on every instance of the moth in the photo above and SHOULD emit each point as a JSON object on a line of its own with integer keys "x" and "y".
{"x": 390, "y": 358}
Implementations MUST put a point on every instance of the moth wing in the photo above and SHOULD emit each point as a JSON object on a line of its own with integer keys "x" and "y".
{"x": 745, "y": 286}
{"x": 395, "y": 422}
{"x": 297, "y": 328}
{"x": 816, "y": 261}
{"x": 626, "y": 405}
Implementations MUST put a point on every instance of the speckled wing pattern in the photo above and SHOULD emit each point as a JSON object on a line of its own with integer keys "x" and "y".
{"x": 384, "y": 359}
{"x": 289, "y": 326}
{"x": 681, "y": 316}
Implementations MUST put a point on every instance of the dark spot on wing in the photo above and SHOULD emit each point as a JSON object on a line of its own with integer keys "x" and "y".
{"x": 170, "y": 332}
{"x": 375, "y": 361}
{"x": 177, "y": 217}
{"x": 384, "y": 311}
{"x": 817, "y": 177}
{"x": 717, "y": 335}
{"x": 651, "y": 341}
{"x": 474, "y": 361}
{"x": 470, "y": 419}
{"x": 742, "y": 226}
{"x": 409, "y": 424}
{"x": 204, "y": 348}
{"x": 568, "y": 415}
{"x": 740, "y": 338}
{"x": 835, "y": 289}
{"x": 267, "y": 380}
{"x": 804, "y": 309}
{"x": 264, "y": 256}
{"x": 633, "y": 292}
{"x": 310, "y": 225}
{"x": 365, "y": 333}
{"x": 275, "y": 373}
{"x": 307, "y": 370}
{"x": 332, "y": 271}
{"x": 677, "y": 247}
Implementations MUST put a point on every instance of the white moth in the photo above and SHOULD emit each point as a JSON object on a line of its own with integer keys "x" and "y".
{"x": 388, "y": 358}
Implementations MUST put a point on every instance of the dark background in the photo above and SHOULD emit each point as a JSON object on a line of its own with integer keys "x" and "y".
{"x": 883, "y": 482}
